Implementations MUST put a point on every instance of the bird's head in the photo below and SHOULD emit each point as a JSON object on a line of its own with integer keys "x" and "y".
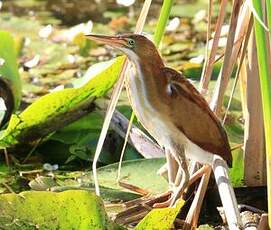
{"x": 136, "y": 47}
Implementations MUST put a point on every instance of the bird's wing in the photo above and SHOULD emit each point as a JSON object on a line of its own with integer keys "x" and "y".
{"x": 193, "y": 116}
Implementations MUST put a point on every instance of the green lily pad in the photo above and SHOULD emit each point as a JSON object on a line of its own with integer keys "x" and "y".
{"x": 9, "y": 69}
{"x": 60, "y": 108}
{"x": 10, "y": 84}
{"x": 74, "y": 209}
{"x": 141, "y": 173}
{"x": 160, "y": 218}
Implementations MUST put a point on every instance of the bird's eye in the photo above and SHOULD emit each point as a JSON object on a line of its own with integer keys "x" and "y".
{"x": 131, "y": 43}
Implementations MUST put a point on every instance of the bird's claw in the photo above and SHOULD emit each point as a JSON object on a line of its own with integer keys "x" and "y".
{"x": 166, "y": 203}
{"x": 174, "y": 197}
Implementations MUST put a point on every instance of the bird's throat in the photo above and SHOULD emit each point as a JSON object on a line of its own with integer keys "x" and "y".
{"x": 144, "y": 88}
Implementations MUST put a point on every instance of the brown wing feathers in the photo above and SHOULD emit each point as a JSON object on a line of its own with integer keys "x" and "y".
{"x": 210, "y": 134}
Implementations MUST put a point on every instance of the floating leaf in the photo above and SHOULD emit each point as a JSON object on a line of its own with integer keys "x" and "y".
{"x": 42, "y": 183}
{"x": 74, "y": 209}
{"x": 10, "y": 84}
{"x": 141, "y": 173}
{"x": 93, "y": 71}
{"x": 60, "y": 108}
{"x": 160, "y": 218}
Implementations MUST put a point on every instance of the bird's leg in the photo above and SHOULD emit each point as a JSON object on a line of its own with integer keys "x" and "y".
{"x": 178, "y": 177}
{"x": 199, "y": 173}
{"x": 181, "y": 160}
{"x": 172, "y": 169}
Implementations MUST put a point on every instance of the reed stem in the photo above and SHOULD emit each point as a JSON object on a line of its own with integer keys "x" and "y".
{"x": 265, "y": 83}
{"x": 162, "y": 21}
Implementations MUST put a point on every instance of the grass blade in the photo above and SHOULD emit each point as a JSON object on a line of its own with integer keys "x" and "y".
{"x": 265, "y": 83}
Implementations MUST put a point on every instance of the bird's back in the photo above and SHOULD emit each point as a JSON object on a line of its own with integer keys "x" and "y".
{"x": 192, "y": 116}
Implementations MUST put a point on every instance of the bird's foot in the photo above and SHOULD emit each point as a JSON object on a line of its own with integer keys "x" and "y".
{"x": 137, "y": 209}
{"x": 176, "y": 195}
{"x": 171, "y": 201}
{"x": 164, "y": 204}
{"x": 172, "y": 187}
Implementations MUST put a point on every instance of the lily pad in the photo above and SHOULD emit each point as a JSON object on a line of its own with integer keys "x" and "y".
{"x": 72, "y": 209}
{"x": 141, "y": 173}
{"x": 10, "y": 84}
{"x": 160, "y": 218}
{"x": 57, "y": 109}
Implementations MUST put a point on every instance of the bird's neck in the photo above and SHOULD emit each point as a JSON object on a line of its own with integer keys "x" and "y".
{"x": 148, "y": 69}
{"x": 146, "y": 85}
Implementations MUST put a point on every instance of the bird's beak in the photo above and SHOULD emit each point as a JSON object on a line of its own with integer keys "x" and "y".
{"x": 113, "y": 41}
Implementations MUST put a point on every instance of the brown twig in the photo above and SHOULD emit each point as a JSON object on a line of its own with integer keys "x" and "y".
{"x": 194, "y": 211}
{"x": 8, "y": 187}
{"x": 133, "y": 188}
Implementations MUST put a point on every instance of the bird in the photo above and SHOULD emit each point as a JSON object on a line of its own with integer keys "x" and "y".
{"x": 171, "y": 109}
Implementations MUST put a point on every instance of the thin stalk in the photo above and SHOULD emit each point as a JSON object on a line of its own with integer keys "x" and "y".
{"x": 208, "y": 36}
{"x": 162, "y": 21}
{"x": 158, "y": 34}
{"x": 209, "y": 62}
{"x": 265, "y": 83}
{"x": 226, "y": 70}
{"x": 237, "y": 75}
{"x": 268, "y": 9}
{"x": 125, "y": 144}
{"x": 115, "y": 96}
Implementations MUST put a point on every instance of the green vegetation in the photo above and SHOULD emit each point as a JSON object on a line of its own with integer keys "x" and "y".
{"x": 59, "y": 108}
{"x": 52, "y": 135}
{"x": 264, "y": 72}
{"x": 47, "y": 210}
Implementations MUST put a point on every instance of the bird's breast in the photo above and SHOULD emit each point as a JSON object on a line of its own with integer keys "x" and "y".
{"x": 147, "y": 112}
{"x": 159, "y": 124}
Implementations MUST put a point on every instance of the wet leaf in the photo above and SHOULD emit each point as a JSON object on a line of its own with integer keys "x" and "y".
{"x": 10, "y": 84}
{"x": 91, "y": 72}
{"x": 72, "y": 209}
{"x": 42, "y": 183}
{"x": 160, "y": 218}
{"x": 60, "y": 108}
{"x": 141, "y": 173}
{"x": 78, "y": 131}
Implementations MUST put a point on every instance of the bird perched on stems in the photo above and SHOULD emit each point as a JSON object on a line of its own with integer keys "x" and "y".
{"x": 176, "y": 115}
